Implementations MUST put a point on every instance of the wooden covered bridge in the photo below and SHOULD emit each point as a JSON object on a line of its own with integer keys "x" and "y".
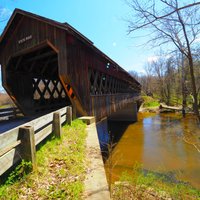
{"x": 47, "y": 65}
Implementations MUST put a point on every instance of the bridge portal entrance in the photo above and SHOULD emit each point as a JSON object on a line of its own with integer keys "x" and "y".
{"x": 33, "y": 81}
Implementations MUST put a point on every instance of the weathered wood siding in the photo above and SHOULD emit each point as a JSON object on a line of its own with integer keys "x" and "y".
{"x": 38, "y": 32}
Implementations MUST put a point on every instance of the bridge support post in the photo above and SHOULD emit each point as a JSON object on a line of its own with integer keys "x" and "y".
{"x": 69, "y": 115}
{"x": 28, "y": 149}
{"x": 57, "y": 124}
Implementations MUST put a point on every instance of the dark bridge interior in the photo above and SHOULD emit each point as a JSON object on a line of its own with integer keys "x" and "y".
{"x": 33, "y": 79}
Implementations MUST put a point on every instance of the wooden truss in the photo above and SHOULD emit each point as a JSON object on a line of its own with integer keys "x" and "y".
{"x": 47, "y": 89}
{"x": 101, "y": 83}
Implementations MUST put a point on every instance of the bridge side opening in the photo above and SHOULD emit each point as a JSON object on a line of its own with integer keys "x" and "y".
{"x": 102, "y": 84}
{"x": 33, "y": 82}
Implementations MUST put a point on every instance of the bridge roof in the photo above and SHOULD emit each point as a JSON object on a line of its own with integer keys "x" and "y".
{"x": 65, "y": 26}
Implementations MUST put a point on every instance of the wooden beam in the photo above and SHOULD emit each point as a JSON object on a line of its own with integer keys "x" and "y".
{"x": 101, "y": 84}
{"x": 95, "y": 81}
{"x": 55, "y": 85}
{"x": 40, "y": 56}
{"x": 41, "y": 135}
{"x": 106, "y": 83}
{"x": 9, "y": 147}
{"x": 18, "y": 62}
{"x": 34, "y": 62}
{"x": 45, "y": 66}
{"x": 110, "y": 84}
{"x": 36, "y": 87}
{"x": 8, "y": 160}
{"x": 42, "y": 45}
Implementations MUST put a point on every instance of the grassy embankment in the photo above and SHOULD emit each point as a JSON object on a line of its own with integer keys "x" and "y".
{"x": 150, "y": 102}
{"x": 140, "y": 184}
{"x": 60, "y": 169}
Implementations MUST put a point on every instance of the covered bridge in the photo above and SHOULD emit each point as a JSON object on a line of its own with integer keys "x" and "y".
{"x": 47, "y": 65}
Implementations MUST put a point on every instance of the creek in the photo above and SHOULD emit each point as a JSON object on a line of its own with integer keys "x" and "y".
{"x": 163, "y": 143}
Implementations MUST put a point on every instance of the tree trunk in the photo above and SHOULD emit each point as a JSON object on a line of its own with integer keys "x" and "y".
{"x": 194, "y": 91}
{"x": 184, "y": 96}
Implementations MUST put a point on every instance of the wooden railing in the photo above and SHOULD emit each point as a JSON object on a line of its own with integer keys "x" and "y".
{"x": 20, "y": 143}
{"x": 7, "y": 113}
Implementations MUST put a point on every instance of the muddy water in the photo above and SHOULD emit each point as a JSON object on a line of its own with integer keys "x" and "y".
{"x": 163, "y": 143}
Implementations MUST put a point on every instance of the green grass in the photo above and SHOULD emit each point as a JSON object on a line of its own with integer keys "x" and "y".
{"x": 60, "y": 169}
{"x": 140, "y": 181}
{"x": 150, "y": 102}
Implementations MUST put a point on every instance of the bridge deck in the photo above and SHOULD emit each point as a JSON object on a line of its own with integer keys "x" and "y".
{"x": 10, "y": 124}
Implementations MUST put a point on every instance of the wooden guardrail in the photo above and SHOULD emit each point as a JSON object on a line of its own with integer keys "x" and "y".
{"x": 7, "y": 113}
{"x": 20, "y": 143}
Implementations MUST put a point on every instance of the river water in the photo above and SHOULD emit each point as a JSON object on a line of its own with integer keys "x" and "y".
{"x": 164, "y": 143}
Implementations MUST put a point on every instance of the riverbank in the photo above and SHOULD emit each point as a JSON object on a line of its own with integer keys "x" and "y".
{"x": 149, "y": 109}
{"x": 153, "y": 105}
{"x": 169, "y": 166}
{"x": 149, "y": 105}
{"x": 149, "y": 186}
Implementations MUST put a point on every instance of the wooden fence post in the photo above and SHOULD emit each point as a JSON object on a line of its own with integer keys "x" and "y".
{"x": 69, "y": 115}
{"x": 57, "y": 124}
{"x": 28, "y": 149}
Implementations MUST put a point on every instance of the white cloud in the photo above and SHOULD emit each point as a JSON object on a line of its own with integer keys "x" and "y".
{"x": 197, "y": 40}
{"x": 152, "y": 58}
{"x": 142, "y": 71}
{"x": 5, "y": 13}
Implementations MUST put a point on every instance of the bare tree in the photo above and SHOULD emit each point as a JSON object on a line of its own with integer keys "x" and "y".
{"x": 169, "y": 79}
{"x": 158, "y": 67}
{"x": 171, "y": 22}
{"x": 134, "y": 74}
{"x": 163, "y": 71}
{"x": 148, "y": 80}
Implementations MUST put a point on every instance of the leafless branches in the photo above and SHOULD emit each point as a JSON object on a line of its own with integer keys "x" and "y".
{"x": 173, "y": 22}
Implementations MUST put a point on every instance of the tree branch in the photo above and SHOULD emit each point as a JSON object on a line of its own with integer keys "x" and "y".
{"x": 155, "y": 18}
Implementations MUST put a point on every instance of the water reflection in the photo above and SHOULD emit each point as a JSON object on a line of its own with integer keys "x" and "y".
{"x": 164, "y": 143}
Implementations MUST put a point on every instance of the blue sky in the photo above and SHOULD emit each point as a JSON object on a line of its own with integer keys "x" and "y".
{"x": 102, "y": 21}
